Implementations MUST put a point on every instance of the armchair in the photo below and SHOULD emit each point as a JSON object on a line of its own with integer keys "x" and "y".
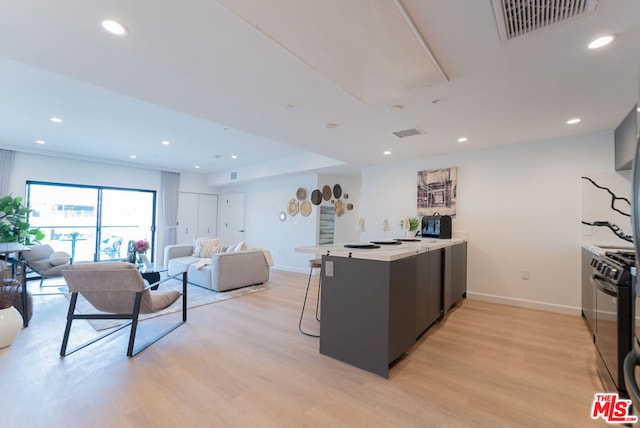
{"x": 117, "y": 290}
{"x": 46, "y": 262}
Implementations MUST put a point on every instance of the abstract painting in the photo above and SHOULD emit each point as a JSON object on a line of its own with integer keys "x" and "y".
{"x": 437, "y": 190}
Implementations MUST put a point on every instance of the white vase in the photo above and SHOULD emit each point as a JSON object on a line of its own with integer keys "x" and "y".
{"x": 10, "y": 326}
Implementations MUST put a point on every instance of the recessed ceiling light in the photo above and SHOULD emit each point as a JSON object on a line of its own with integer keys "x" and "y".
{"x": 234, "y": 157}
{"x": 114, "y": 27}
{"x": 386, "y": 152}
{"x": 165, "y": 143}
{"x": 133, "y": 156}
{"x": 196, "y": 166}
{"x": 40, "y": 142}
{"x": 463, "y": 140}
{"x": 600, "y": 42}
{"x": 330, "y": 125}
{"x": 573, "y": 121}
{"x": 395, "y": 107}
{"x": 56, "y": 120}
{"x": 638, "y": 109}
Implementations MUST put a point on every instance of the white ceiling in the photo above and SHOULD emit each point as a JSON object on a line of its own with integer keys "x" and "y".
{"x": 234, "y": 77}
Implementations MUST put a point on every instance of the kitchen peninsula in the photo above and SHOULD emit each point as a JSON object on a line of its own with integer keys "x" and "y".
{"x": 375, "y": 302}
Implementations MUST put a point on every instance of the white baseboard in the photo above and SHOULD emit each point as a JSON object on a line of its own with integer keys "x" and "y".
{"x": 531, "y": 304}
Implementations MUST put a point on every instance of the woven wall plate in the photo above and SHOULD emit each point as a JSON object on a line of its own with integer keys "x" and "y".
{"x": 339, "y": 207}
{"x": 293, "y": 207}
{"x": 316, "y": 197}
{"x": 301, "y": 194}
{"x": 305, "y": 208}
{"x": 349, "y": 206}
{"x": 326, "y": 193}
{"x": 337, "y": 191}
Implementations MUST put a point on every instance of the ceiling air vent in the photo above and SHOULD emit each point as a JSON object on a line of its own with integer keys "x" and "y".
{"x": 408, "y": 132}
{"x": 518, "y": 17}
{"x": 234, "y": 176}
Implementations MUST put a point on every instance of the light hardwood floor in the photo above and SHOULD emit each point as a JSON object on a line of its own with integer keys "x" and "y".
{"x": 243, "y": 363}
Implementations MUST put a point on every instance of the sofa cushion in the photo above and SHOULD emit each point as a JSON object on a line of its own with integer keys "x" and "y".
{"x": 205, "y": 245}
{"x": 181, "y": 264}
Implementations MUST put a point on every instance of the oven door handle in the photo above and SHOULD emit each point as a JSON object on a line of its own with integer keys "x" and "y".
{"x": 600, "y": 284}
{"x": 630, "y": 362}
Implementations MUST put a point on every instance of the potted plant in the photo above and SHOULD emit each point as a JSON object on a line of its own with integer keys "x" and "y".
{"x": 10, "y": 318}
{"x": 14, "y": 226}
{"x": 410, "y": 225}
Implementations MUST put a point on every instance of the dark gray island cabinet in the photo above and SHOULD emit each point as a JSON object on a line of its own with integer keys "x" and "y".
{"x": 375, "y": 305}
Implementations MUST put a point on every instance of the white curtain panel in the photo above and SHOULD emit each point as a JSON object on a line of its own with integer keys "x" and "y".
{"x": 6, "y": 169}
{"x": 170, "y": 194}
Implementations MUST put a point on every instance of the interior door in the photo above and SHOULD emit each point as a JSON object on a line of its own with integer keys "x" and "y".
{"x": 207, "y": 215}
{"x": 187, "y": 218}
{"x": 233, "y": 219}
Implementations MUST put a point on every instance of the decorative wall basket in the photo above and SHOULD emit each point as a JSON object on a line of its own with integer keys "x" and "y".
{"x": 293, "y": 207}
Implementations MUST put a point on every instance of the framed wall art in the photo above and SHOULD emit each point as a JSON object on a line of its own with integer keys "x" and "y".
{"x": 437, "y": 191}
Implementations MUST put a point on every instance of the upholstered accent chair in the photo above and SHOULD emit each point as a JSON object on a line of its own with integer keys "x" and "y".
{"x": 48, "y": 263}
{"x": 117, "y": 291}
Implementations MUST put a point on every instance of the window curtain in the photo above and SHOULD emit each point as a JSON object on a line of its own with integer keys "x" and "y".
{"x": 6, "y": 169}
{"x": 169, "y": 201}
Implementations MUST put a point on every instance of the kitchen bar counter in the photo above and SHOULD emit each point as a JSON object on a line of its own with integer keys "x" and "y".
{"x": 385, "y": 253}
{"x": 377, "y": 302}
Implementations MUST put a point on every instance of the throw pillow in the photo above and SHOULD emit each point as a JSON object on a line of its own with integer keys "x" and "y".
{"x": 210, "y": 251}
{"x": 59, "y": 258}
{"x": 236, "y": 247}
{"x": 204, "y": 243}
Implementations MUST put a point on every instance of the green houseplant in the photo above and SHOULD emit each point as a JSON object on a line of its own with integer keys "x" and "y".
{"x": 14, "y": 226}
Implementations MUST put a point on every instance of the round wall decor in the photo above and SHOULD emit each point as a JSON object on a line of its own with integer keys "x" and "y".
{"x": 305, "y": 208}
{"x": 337, "y": 191}
{"x": 293, "y": 207}
{"x": 316, "y": 197}
{"x": 301, "y": 194}
{"x": 326, "y": 193}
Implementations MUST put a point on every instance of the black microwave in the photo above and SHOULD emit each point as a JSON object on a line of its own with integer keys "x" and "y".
{"x": 436, "y": 226}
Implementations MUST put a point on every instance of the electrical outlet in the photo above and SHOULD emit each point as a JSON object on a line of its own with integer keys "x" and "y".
{"x": 525, "y": 274}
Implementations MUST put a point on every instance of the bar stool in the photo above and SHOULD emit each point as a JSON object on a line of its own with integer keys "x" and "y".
{"x": 313, "y": 264}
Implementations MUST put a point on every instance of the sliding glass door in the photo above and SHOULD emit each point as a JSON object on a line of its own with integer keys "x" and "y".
{"x": 92, "y": 223}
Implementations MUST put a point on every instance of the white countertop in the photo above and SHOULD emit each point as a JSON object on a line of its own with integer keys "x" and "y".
{"x": 385, "y": 252}
{"x": 601, "y": 248}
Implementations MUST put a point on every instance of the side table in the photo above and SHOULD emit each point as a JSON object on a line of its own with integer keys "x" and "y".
{"x": 152, "y": 273}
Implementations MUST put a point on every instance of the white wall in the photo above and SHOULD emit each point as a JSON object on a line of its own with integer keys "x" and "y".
{"x": 521, "y": 208}
{"x": 265, "y": 200}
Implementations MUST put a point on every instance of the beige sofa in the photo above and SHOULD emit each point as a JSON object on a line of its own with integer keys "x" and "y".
{"x": 222, "y": 271}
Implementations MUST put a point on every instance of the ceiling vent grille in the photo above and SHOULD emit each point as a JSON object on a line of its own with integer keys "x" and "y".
{"x": 518, "y": 17}
{"x": 408, "y": 132}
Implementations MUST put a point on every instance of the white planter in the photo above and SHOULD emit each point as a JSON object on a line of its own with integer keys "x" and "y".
{"x": 10, "y": 326}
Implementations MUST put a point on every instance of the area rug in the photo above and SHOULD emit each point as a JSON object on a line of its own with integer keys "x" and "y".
{"x": 196, "y": 296}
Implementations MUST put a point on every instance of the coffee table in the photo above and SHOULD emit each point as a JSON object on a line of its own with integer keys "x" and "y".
{"x": 152, "y": 274}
